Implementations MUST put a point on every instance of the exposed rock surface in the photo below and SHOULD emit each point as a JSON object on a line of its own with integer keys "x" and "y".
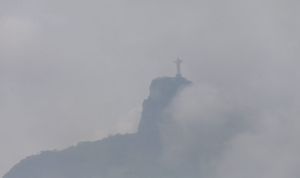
{"x": 119, "y": 156}
{"x": 162, "y": 90}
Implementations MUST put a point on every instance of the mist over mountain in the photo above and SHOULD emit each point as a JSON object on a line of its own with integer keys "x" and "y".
{"x": 130, "y": 155}
{"x": 187, "y": 130}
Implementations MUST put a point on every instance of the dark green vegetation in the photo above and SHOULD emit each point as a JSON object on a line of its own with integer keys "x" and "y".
{"x": 119, "y": 156}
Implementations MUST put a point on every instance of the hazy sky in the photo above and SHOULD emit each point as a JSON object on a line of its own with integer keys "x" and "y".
{"x": 74, "y": 71}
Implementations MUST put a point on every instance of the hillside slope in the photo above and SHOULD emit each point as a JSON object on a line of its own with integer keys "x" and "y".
{"x": 126, "y": 156}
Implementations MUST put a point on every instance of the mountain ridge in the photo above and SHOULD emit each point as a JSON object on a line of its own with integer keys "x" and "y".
{"x": 128, "y": 155}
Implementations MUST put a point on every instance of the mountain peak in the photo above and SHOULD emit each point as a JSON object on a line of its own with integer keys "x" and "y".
{"x": 162, "y": 90}
{"x": 126, "y": 156}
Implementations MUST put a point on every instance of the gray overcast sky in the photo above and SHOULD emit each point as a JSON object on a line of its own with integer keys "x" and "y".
{"x": 74, "y": 71}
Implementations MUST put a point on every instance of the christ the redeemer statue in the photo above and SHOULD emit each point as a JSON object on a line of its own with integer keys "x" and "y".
{"x": 178, "y": 61}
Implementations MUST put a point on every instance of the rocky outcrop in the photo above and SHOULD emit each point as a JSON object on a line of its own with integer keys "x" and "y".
{"x": 119, "y": 156}
{"x": 162, "y": 90}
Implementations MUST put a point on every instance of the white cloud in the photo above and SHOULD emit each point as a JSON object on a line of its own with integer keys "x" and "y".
{"x": 270, "y": 149}
{"x": 212, "y": 129}
{"x": 129, "y": 123}
{"x": 69, "y": 70}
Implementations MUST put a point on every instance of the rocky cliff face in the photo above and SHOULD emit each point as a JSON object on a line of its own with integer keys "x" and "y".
{"x": 162, "y": 90}
{"x": 129, "y": 155}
